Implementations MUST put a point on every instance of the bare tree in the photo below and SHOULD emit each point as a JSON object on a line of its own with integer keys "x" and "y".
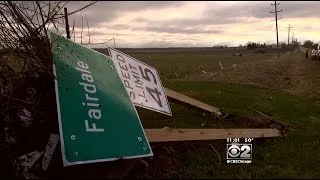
{"x": 26, "y": 63}
{"x": 24, "y": 27}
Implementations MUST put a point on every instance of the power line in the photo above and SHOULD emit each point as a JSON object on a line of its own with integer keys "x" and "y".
{"x": 102, "y": 42}
{"x": 289, "y": 32}
{"x": 276, "y": 19}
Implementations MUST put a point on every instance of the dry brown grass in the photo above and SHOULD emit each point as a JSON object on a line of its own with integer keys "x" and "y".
{"x": 291, "y": 72}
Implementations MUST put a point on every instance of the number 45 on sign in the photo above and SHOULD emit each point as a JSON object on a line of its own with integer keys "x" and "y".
{"x": 141, "y": 81}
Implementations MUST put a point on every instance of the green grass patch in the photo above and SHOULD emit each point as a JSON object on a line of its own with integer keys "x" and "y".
{"x": 180, "y": 65}
{"x": 295, "y": 156}
{"x": 236, "y": 98}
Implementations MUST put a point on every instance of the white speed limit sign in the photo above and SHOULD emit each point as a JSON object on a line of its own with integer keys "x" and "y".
{"x": 141, "y": 81}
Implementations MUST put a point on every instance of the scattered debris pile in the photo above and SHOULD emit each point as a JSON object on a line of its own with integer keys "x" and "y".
{"x": 27, "y": 101}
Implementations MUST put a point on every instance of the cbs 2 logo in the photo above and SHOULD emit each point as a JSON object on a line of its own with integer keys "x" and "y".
{"x": 239, "y": 151}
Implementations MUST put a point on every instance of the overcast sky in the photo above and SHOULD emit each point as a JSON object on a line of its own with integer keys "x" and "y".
{"x": 194, "y": 23}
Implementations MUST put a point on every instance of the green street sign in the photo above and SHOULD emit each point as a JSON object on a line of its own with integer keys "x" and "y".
{"x": 97, "y": 119}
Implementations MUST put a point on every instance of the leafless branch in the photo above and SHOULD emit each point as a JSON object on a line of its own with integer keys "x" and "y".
{"x": 216, "y": 153}
{"x": 86, "y": 6}
{"x": 24, "y": 30}
{"x": 45, "y": 30}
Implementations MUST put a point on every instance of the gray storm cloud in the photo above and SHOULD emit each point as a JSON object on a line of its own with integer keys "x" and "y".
{"x": 211, "y": 21}
{"x": 106, "y": 11}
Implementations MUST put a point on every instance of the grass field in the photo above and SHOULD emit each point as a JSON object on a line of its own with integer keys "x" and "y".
{"x": 286, "y": 89}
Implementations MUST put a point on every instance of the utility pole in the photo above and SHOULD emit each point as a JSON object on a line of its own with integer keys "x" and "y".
{"x": 67, "y": 23}
{"x": 74, "y": 33}
{"x": 81, "y": 28}
{"x": 289, "y": 32}
{"x": 276, "y": 19}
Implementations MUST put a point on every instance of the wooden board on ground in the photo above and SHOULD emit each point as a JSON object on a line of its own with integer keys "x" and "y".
{"x": 193, "y": 102}
{"x": 167, "y": 134}
{"x": 47, "y": 156}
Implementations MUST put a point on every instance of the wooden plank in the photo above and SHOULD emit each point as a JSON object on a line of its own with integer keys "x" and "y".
{"x": 51, "y": 146}
{"x": 193, "y": 102}
{"x": 167, "y": 134}
{"x": 221, "y": 65}
{"x": 25, "y": 162}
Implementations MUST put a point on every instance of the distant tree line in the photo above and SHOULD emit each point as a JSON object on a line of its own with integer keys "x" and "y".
{"x": 253, "y": 45}
{"x": 310, "y": 44}
{"x": 283, "y": 45}
{"x": 220, "y": 46}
